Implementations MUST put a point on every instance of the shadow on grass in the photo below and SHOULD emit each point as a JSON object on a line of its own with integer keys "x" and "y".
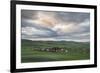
{"x": 36, "y": 59}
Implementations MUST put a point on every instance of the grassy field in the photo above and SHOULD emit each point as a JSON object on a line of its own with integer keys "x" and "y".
{"x": 76, "y": 51}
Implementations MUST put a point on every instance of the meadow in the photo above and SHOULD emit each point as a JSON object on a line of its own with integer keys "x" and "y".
{"x": 76, "y": 51}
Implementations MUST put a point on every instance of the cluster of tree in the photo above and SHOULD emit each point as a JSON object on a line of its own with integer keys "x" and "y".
{"x": 53, "y": 49}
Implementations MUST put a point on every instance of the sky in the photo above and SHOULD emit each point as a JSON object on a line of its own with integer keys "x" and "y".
{"x": 55, "y": 26}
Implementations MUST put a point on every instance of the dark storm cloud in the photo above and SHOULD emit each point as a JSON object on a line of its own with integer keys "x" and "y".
{"x": 73, "y": 17}
{"x": 78, "y": 19}
{"x": 28, "y": 14}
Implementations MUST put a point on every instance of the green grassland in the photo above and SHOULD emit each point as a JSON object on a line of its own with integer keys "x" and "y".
{"x": 76, "y": 51}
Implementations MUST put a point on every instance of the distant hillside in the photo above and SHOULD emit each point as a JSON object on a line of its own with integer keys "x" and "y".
{"x": 62, "y": 44}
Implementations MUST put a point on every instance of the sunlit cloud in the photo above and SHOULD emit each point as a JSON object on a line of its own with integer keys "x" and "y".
{"x": 46, "y": 19}
{"x": 45, "y": 25}
{"x": 63, "y": 28}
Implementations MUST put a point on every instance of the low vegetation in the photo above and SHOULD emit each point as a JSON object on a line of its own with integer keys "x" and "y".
{"x": 31, "y": 51}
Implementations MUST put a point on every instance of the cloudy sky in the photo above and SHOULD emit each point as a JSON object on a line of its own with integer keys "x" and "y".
{"x": 55, "y": 26}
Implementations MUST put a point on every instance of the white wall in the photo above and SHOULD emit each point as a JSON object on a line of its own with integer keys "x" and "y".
{"x": 92, "y": 2}
{"x": 5, "y": 37}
